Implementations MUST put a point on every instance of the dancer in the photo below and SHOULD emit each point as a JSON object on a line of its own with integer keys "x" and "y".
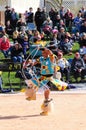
{"x": 47, "y": 61}
{"x": 46, "y": 79}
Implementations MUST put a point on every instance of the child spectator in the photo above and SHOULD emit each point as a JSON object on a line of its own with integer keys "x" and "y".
{"x": 15, "y": 35}
{"x": 25, "y": 46}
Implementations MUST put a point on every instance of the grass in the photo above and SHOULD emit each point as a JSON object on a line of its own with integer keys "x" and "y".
{"x": 75, "y": 49}
{"x": 15, "y": 82}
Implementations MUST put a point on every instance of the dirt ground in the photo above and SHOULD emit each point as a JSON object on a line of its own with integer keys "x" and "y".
{"x": 16, "y": 113}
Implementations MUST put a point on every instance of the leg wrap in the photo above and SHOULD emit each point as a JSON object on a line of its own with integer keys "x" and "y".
{"x": 47, "y": 107}
{"x": 31, "y": 91}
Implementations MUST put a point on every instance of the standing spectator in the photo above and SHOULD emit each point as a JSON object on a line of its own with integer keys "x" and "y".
{"x": 5, "y": 45}
{"x": 26, "y": 16}
{"x": 30, "y": 15}
{"x": 77, "y": 21}
{"x": 68, "y": 19}
{"x": 77, "y": 67}
{"x": 7, "y": 14}
{"x": 82, "y": 10}
{"x": 14, "y": 18}
{"x": 44, "y": 15}
{"x": 62, "y": 12}
{"x": 52, "y": 15}
{"x": 38, "y": 19}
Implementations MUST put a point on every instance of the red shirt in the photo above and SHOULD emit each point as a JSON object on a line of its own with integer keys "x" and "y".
{"x": 4, "y": 45}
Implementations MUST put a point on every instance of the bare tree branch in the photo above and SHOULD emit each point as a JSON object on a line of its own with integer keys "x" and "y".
{"x": 55, "y": 3}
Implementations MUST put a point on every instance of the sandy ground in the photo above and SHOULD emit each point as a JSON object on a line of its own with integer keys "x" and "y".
{"x": 16, "y": 113}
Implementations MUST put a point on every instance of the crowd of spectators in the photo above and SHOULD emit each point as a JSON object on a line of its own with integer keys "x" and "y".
{"x": 60, "y": 27}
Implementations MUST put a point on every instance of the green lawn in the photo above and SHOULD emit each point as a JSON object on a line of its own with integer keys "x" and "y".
{"x": 75, "y": 48}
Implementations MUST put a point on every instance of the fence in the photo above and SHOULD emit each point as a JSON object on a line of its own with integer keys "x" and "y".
{"x": 74, "y": 5}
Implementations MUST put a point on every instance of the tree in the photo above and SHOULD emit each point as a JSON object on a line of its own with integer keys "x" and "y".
{"x": 55, "y": 3}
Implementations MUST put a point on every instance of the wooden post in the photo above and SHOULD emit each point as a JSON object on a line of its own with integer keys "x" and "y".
{"x": 2, "y": 18}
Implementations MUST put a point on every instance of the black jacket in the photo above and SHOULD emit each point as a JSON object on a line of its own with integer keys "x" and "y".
{"x": 77, "y": 64}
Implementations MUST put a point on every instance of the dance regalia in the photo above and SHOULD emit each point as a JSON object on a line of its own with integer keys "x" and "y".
{"x": 42, "y": 80}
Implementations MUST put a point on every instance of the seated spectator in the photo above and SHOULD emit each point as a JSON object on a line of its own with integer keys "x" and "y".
{"x": 61, "y": 24}
{"x": 82, "y": 51}
{"x": 30, "y": 36}
{"x": 84, "y": 59}
{"x": 14, "y": 18}
{"x": 67, "y": 46}
{"x": 77, "y": 21}
{"x": 21, "y": 35}
{"x": 20, "y": 24}
{"x": 5, "y": 45}
{"x": 37, "y": 36}
{"x": 70, "y": 37}
{"x": 57, "y": 21}
{"x": 48, "y": 23}
{"x": 9, "y": 28}
{"x": 82, "y": 11}
{"x": 1, "y": 88}
{"x": 73, "y": 38}
{"x": 17, "y": 53}
{"x": 25, "y": 46}
{"x": 64, "y": 66}
{"x": 83, "y": 27}
{"x": 15, "y": 35}
{"x": 2, "y": 28}
{"x": 82, "y": 40}
{"x": 77, "y": 35}
{"x": 61, "y": 34}
{"x": 47, "y": 26}
{"x": 54, "y": 44}
{"x": 77, "y": 67}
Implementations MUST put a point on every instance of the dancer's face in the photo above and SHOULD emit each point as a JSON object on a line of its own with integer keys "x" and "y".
{"x": 45, "y": 53}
